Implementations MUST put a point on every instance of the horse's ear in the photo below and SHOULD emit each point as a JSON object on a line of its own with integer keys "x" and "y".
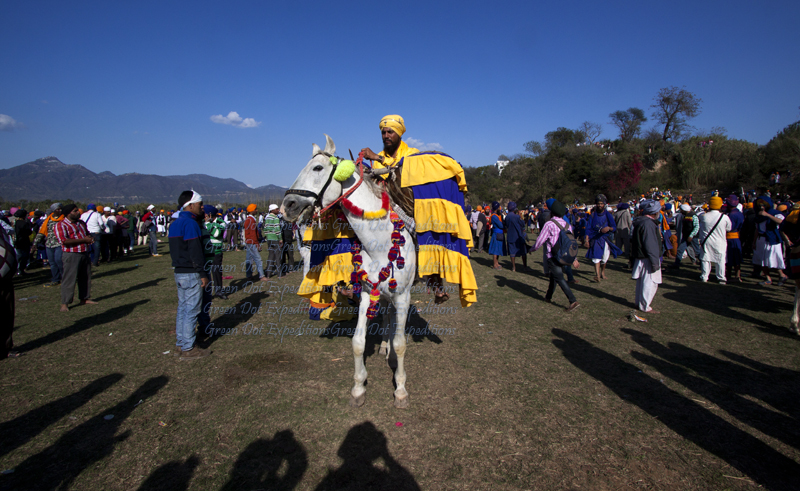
{"x": 330, "y": 147}
{"x": 314, "y": 150}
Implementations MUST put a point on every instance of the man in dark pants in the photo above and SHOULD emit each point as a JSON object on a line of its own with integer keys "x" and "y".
{"x": 548, "y": 237}
{"x": 8, "y": 265}
{"x": 75, "y": 241}
{"x": 287, "y": 250}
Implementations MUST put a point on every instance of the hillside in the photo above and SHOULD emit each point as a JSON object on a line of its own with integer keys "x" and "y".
{"x": 49, "y": 178}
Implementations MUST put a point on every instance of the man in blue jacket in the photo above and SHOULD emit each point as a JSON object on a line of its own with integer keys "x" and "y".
{"x": 186, "y": 250}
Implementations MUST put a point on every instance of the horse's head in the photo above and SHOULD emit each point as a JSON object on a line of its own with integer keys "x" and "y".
{"x": 314, "y": 186}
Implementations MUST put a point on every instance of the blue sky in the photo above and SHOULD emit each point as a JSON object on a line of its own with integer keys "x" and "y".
{"x": 150, "y": 86}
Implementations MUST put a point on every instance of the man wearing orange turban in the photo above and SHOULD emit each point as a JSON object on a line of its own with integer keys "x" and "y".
{"x": 714, "y": 227}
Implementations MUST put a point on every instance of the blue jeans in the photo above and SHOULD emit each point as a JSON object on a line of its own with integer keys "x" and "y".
{"x": 56, "y": 267}
{"x": 253, "y": 259}
{"x": 682, "y": 248}
{"x": 190, "y": 297}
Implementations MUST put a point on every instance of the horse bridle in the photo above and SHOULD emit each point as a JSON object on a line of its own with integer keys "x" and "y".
{"x": 317, "y": 197}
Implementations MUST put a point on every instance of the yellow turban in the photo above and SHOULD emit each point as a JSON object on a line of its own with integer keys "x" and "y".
{"x": 394, "y": 122}
{"x": 782, "y": 207}
{"x": 251, "y": 208}
{"x": 715, "y": 203}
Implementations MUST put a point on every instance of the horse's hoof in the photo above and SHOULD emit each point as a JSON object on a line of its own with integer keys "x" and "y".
{"x": 358, "y": 401}
{"x": 401, "y": 403}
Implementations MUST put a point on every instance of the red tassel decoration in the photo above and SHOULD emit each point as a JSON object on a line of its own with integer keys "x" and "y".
{"x": 394, "y": 252}
{"x": 393, "y": 284}
{"x": 401, "y": 263}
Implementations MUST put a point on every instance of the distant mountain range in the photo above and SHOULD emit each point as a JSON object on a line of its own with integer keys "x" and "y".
{"x": 49, "y": 178}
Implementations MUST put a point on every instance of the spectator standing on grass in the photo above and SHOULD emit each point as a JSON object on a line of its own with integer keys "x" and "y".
{"x": 133, "y": 223}
{"x": 517, "y": 237}
{"x": 113, "y": 234}
{"x": 75, "y": 241}
{"x": 646, "y": 252}
{"x": 714, "y": 226}
{"x": 272, "y": 232}
{"x": 548, "y": 237}
{"x": 47, "y": 233}
{"x": 480, "y": 230}
{"x": 22, "y": 245}
{"x": 622, "y": 217}
{"x": 216, "y": 230}
{"x": 599, "y": 228}
{"x": 497, "y": 247}
{"x": 95, "y": 223}
{"x": 252, "y": 245}
{"x": 186, "y": 251}
{"x": 687, "y": 228}
{"x": 149, "y": 220}
{"x": 733, "y": 257}
{"x": 8, "y": 265}
{"x": 768, "y": 251}
{"x": 287, "y": 249}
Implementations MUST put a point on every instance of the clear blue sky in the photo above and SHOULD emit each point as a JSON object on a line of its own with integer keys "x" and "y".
{"x": 137, "y": 86}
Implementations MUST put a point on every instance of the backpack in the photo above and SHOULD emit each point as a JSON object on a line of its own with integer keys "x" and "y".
{"x": 565, "y": 249}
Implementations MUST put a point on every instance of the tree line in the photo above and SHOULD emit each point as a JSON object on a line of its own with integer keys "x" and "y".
{"x": 576, "y": 164}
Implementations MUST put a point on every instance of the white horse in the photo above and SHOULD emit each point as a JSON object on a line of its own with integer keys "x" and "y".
{"x": 794, "y": 323}
{"x": 315, "y": 188}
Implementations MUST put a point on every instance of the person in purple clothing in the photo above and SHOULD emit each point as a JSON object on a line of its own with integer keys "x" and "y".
{"x": 191, "y": 277}
{"x": 599, "y": 228}
{"x": 548, "y": 238}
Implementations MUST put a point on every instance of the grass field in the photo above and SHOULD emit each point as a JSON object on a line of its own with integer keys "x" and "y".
{"x": 517, "y": 394}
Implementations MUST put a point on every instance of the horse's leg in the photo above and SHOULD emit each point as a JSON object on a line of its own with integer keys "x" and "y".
{"x": 359, "y": 394}
{"x": 401, "y": 304}
{"x": 386, "y": 327}
{"x": 795, "y": 320}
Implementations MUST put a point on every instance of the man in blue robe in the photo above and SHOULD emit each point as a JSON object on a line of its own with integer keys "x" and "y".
{"x": 599, "y": 228}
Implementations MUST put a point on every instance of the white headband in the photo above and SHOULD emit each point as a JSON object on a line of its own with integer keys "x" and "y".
{"x": 196, "y": 198}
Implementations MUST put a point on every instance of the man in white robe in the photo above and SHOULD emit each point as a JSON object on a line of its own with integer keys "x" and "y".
{"x": 646, "y": 252}
{"x": 714, "y": 227}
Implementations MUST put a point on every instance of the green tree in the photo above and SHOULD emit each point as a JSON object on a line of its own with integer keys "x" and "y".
{"x": 562, "y": 137}
{"x": 628, "y": 122}
{"x": 672, "y": 108}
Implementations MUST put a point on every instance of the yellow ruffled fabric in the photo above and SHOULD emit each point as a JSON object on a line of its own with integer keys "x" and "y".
{"x": 334, "y": 268}
{"x": 402, "y": 151}
{"x": 442, "y": 216}
{"x": 422, "y": 169}
{"x": 452, "y": 266}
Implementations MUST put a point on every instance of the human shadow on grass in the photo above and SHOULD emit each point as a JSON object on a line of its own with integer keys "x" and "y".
{"x": 172, "y": 476}
{"x": 259, "y": 465}
{"x": 738, "y": 448}
{"x": 57, "y": 466}
{"x": 111, "y": 272}
{"x": 721, "y": 300}
{"x": 80, "y": 325}
{"x": 140, "y": 286}
{"x": 599, "y": 290}
{"x": 362, "y": 450}
{"x": 226, "y": 323}
{"x": 724, "y": 384}
{"x": 524, "y": 288}
{"x": 20, "y": 430}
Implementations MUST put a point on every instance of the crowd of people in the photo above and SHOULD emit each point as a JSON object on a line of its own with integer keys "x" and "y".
{"x": 71, "y": 243}
{"x": 652, "y": 232}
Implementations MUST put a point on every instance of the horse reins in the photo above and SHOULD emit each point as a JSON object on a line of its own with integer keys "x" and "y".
{"x": 317, "y": 197}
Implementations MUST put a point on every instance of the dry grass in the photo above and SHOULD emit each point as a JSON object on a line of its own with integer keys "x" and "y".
{"x": 522, "y": 396}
